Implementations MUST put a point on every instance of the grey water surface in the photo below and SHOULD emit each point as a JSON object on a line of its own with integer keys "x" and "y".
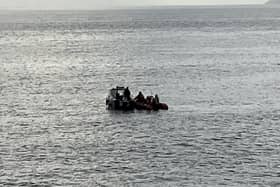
{"x": 218, "y": 68}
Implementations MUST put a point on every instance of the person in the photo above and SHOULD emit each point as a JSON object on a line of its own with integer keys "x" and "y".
{"x": 118, "y": 96}
{"x": 127, "y": 94}
{"x": 149, "y": 100}
{"x": 156, "y": 99}
{"x": 140, "y": 98}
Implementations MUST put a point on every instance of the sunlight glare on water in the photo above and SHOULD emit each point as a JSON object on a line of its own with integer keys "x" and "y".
{"x": 218, "y": 69}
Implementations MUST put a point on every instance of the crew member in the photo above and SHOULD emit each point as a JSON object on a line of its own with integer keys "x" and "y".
{"x": 127, "y": 94}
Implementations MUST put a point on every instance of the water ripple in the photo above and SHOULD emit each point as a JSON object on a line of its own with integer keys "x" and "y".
{"x": 216, "y": 69}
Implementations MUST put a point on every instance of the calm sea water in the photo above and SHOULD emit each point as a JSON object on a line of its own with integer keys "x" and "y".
{"x": 217, "y": 68}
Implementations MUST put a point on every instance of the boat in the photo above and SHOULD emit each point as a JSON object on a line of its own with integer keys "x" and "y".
{"x": 117, "y": 101}
{"x": 150, "y": 103}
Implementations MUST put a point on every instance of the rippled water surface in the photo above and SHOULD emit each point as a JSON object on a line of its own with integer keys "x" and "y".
{"x": 217, "y": 68}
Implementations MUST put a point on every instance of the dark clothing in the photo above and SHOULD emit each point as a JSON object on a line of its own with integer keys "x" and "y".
{"x": 149, "y": 100}
{"x": 140, "y": 98}
{"x": 127, "y": 94}
{"x": 156, "y": 99}
{"x": 118, "y": 95}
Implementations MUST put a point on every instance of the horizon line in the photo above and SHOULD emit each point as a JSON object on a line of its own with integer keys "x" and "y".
{"x": 138, "y": 7}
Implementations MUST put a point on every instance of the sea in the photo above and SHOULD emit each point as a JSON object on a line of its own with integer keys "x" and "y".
{"x": 218, "y": 69}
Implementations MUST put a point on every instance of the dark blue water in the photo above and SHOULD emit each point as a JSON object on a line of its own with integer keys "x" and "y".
{"x": 217, "y": 68}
